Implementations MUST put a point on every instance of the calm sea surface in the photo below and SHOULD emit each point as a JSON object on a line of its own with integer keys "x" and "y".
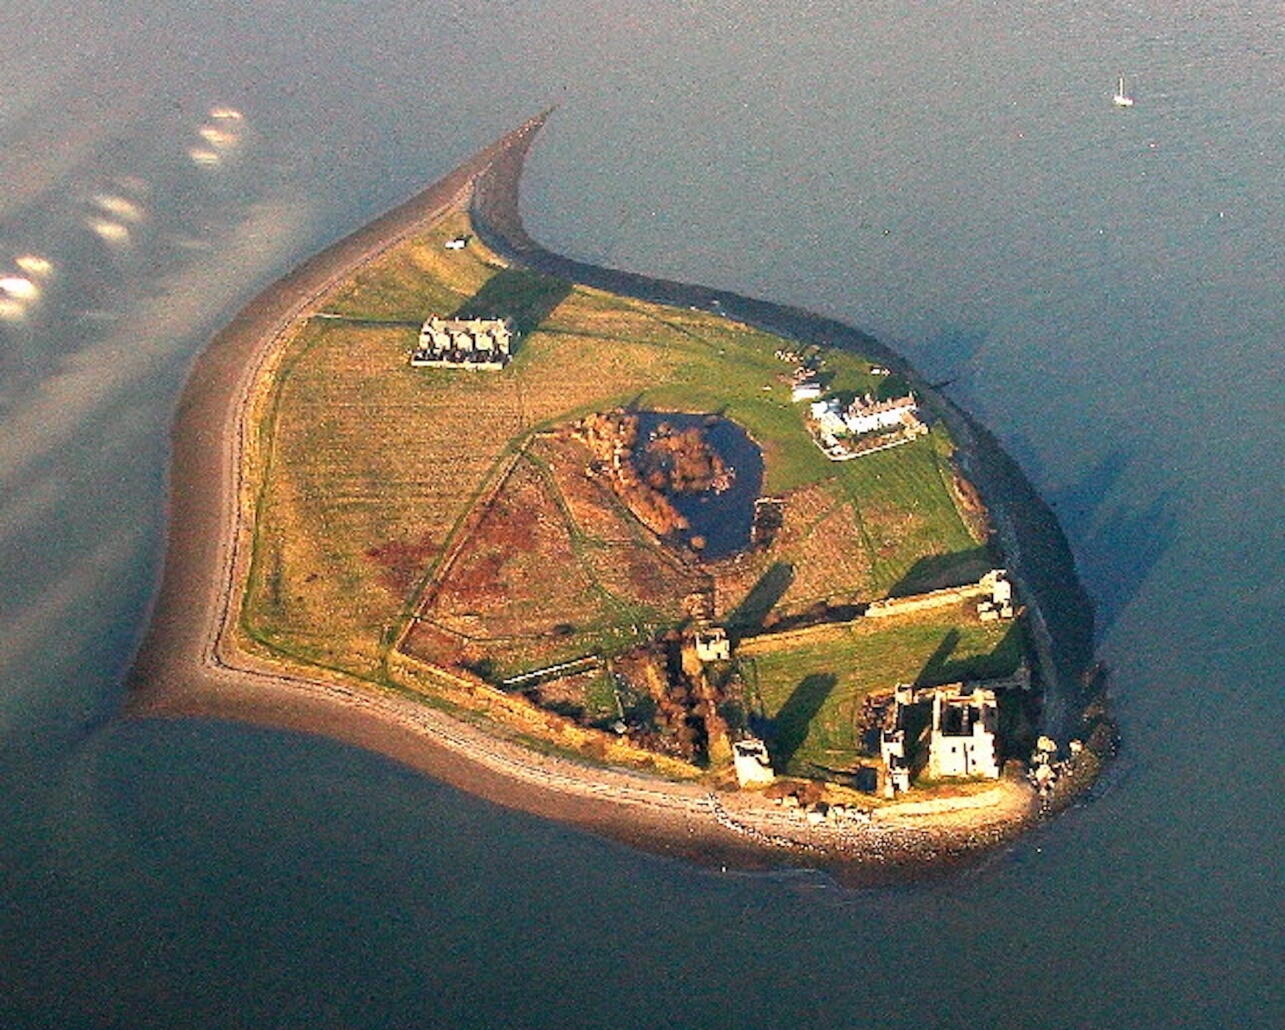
{"x": 1104, "y": 288}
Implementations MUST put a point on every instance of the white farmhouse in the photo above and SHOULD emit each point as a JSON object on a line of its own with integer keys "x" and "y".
{"x": 866, "y": 415}
{"x": 828, "y": 415}
{"x": 712, "y": 645}
{"x": 1000, "y": 603}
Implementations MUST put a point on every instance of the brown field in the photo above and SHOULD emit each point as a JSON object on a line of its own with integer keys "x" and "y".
{"x": 828, "y": 549}
{"x": 821, "y": 542}
{"x": 366, "y": 460}
{"x": 500, "y": 583}
{"x": 555, "y": 568}
{"x": 367, "y": 466}
{"x": 591, "y": 504}
{"x": 566, "y": 374}
{"x": 622, "y": 556}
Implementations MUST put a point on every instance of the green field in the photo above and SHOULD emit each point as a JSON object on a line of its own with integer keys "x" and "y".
{"x": 811, "y": 689}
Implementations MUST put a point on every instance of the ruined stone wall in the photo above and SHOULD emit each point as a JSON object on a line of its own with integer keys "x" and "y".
{"x": 922, "y": 602}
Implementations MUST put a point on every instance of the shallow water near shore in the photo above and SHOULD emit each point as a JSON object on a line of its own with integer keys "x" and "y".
{"x": 1100, "y": 287}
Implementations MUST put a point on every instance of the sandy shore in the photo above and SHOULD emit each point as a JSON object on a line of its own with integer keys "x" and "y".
{"x": 188, "y": 664}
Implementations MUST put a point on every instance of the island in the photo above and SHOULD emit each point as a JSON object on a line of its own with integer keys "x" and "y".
{"x": 713, "y": 576}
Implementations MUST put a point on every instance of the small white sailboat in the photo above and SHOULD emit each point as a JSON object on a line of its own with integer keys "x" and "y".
{"x": 1121, "y": 98}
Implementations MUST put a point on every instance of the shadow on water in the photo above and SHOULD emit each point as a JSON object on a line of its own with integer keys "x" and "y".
{"x": 525, "y": 296}
{"x": 762, "y": 598}
{"x": 950, "y": 354}
{"x": 1078, "y": 502}
{"x": 1119, "y": 545}
{"x": 790, "y": 726}
{"x": 936, "y": 571}
{"x": 1047, "y": 562}
{"x": 1123, "y": 550}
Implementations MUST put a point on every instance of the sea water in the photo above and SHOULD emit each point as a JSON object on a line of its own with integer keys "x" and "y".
{"x": 1101, "y": 286}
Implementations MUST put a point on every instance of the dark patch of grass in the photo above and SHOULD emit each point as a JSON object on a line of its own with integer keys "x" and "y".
{"x": 526, "y": 297}
{"x": 935, "y": 571}
{"x": 762, "y": 598}
{"x": 791, "y": 724}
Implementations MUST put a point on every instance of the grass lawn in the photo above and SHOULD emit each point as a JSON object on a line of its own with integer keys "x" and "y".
{"x": 811, "y": 686}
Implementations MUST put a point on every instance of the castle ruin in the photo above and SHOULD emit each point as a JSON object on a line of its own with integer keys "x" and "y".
{"x": 962, "y": 734}
{"x": 963, "y": 738}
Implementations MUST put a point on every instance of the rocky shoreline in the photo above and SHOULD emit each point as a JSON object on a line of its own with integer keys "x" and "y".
{"x": 189, "y": 664}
